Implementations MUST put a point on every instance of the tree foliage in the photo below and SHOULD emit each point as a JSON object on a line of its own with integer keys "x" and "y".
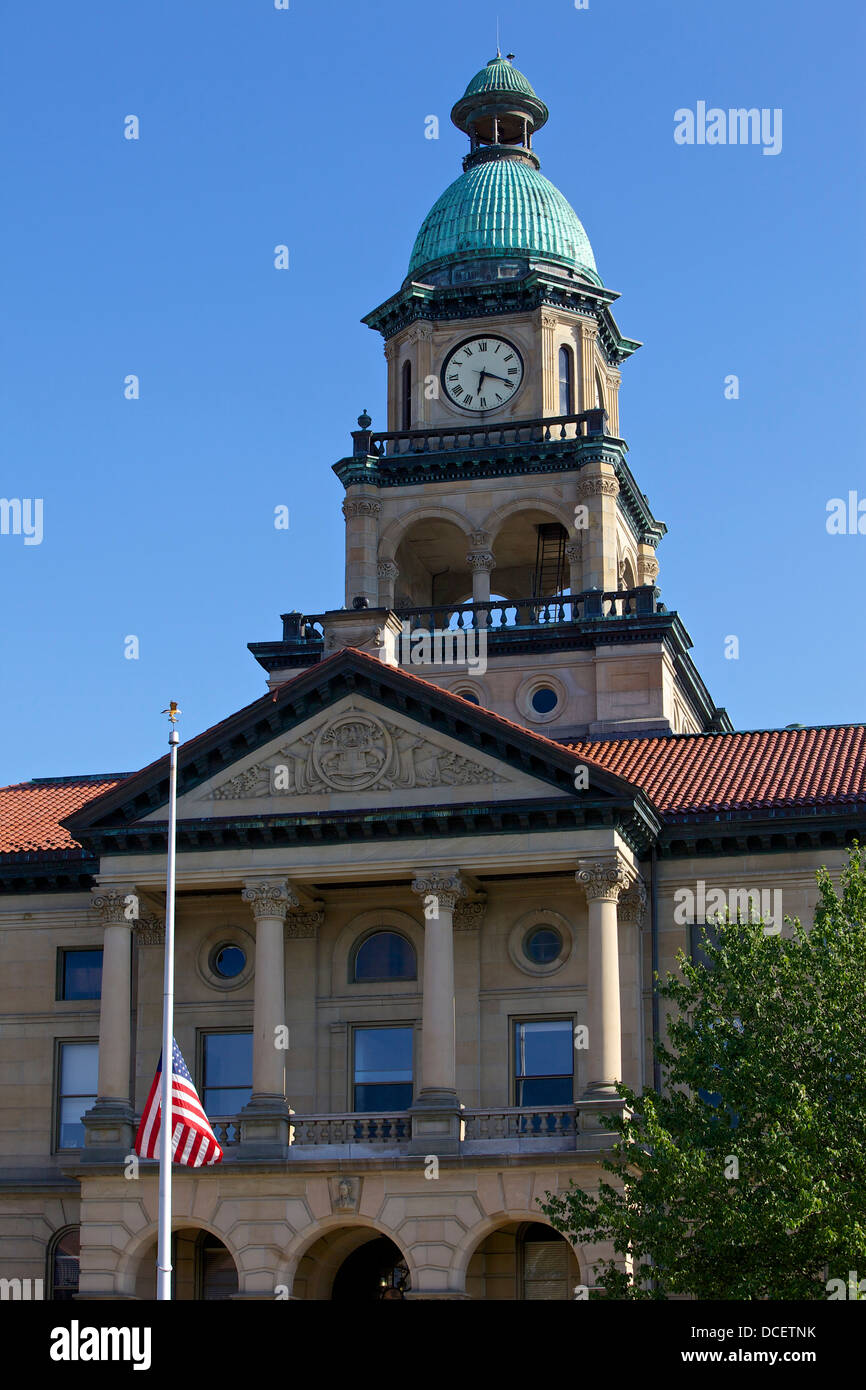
{"x": 745, "y": 1177}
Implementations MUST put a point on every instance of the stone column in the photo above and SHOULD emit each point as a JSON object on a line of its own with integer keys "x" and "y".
{"x": 421, "y": 338}
{"x": 574, "y": 556}
{"x": 482, "y": 562}
{"x": 614, "y": 377}
{"x": 108, "y": 1125}
{"x": 388, "y": 574}
{"x": 361, "y": 508}
{"x": 630, "y": 913}
{"x": 603, "y": 879}
{"x": 265, "y": 1120}
{"x": 435, "y": 1126}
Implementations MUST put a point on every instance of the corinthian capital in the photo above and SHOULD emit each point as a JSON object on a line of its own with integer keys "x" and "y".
{"x": 269, "y": 897}
{"x": 117, "y": 906}
{"x": 603, "y": 879}
{"x": 446, "y": 885}
{"x": 481, "y": 561}
{"x": 632, "y": 903}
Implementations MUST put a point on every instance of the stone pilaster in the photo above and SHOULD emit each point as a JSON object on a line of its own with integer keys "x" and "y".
{"x": 574, "y": 556}
{"x": 108, "y": 1125}
{"x": 387, "y": 573}
{"x": 420, "y": 337}
{"x": 435, "y": 1121}
{"x": 265, "y": 1120}
{"x": 588, "y": 338}
{"x": 362, "y": 508}
{"x": 549, "y": 365}
{"x": 598, "y": 489}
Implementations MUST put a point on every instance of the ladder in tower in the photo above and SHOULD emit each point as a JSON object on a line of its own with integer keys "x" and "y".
{"x": 550, "y": 571}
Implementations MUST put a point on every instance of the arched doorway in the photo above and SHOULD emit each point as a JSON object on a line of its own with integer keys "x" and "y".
{"x": 376, "y": 1270}
{"x": 352, "y": 1263}
{"x": 203, "y": 1269}
{"x": 523, "y": 1261}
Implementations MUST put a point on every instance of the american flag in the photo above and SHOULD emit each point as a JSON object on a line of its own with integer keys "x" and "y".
{"x": 193, "y": 1142}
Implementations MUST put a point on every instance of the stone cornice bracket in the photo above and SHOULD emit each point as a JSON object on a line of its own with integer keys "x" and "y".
{"x": 117, "y": 906}
{"x": 481, "y": 561}
{"x": 632, "y": 903}
{"x": 595, "y": 486}
{"x": 389, "y": 348}
{"x": 360, "y": 506}
{"x": 469, "y": 915}
{"x": 269, "y": 897}
{"x": 446, "y": 885}
{"x": 605, "y": 878}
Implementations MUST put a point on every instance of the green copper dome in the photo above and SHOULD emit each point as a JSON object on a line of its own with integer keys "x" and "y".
{"x": 498, "y": 76}
{"x": 502, "y": 206}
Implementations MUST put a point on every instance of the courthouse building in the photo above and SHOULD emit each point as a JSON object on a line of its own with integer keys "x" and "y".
{"x": 419, "y": 903}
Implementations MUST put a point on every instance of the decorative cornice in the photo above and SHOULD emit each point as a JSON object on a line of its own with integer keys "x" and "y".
{"x": 446, "y": 885}
{"x": 269, "y": 897}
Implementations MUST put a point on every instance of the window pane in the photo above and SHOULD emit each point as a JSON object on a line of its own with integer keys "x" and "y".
{"x": 71, "y": 1128}
{"x": 375, "y": 1097}
{"x": 536, "y": 1092}
{"x": 82, "y": 974}
{"x": 383, "y": 1054}
{"x": 78, "y": 1068}
{"x": 544, "y": 1048}
{"x": 228, "y": 1059}
{"x": 65, "y": 1271}
{"x": 385, "y": 956}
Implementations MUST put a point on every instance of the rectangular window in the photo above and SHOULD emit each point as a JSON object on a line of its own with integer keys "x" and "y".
{"x": 696, "y": 936}
{"x": 383, "y": 1069}
{"x": 80, "y": 974}
{"x": 227, "y": 1072}
{"x": 78, "y": 1066}
{"x": 543, "y": 1062}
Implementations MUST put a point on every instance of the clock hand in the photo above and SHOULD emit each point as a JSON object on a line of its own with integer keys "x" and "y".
{"x": 494, "y": 377}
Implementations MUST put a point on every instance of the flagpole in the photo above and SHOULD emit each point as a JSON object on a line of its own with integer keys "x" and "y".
{"x": 163, "y": 1256}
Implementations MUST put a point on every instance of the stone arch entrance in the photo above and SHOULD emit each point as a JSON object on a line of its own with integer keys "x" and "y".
{"x": 203, "y": 1269}
{"x": 352, "y": 1264}
{"x": 523, "y": 1261}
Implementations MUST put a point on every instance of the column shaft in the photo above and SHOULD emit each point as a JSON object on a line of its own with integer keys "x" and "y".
{"x": 114, "y": 1013}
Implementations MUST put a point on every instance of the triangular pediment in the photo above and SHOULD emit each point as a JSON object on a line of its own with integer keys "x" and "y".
{"x": 354, "y": 746}
{"x": 356, "y": 754}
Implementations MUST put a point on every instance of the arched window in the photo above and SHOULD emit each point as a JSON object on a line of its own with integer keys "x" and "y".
{"x": 566, "y": 381}
{"x": 63, "y": 1256}
{"x": 386, "y": 955}
{"x": 406, "y": 396}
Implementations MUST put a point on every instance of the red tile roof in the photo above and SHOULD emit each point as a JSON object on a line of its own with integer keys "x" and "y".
{"x": 30, "y": 812}
{"x": 688, "y": 773}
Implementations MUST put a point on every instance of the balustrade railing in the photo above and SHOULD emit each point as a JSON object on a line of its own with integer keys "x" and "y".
{"x": 391, "y": 1129}
{"x": 555, "y": 429}
{"x": 499, "y": 615}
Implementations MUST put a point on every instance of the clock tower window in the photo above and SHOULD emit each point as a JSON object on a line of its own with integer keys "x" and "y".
{"x": 406, "y": 396}
{"x": 566, "y": 381}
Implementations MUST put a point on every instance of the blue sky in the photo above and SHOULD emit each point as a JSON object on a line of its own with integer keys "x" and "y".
{"x": 306, "y": 127}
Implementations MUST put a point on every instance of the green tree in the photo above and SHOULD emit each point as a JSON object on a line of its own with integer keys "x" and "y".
{"x": 746, "y": 1176}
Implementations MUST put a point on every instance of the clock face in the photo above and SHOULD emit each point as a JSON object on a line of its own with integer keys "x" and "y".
{"x": 482, "y": 373}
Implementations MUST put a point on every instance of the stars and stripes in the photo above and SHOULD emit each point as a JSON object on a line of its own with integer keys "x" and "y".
{"x": 193, "y": 1141}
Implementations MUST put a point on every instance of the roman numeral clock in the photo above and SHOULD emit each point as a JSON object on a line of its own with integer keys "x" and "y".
{"x": 482, "y": 373}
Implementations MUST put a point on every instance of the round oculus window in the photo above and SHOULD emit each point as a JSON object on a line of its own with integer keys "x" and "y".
{"x": 543, "y": 700}
{"x": 228, "y": 961}
{"x": 542, "y": 945}
{"x": 469, "y": 695}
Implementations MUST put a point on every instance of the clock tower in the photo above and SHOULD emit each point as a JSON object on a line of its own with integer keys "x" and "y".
{"x": 499, "y": 501}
